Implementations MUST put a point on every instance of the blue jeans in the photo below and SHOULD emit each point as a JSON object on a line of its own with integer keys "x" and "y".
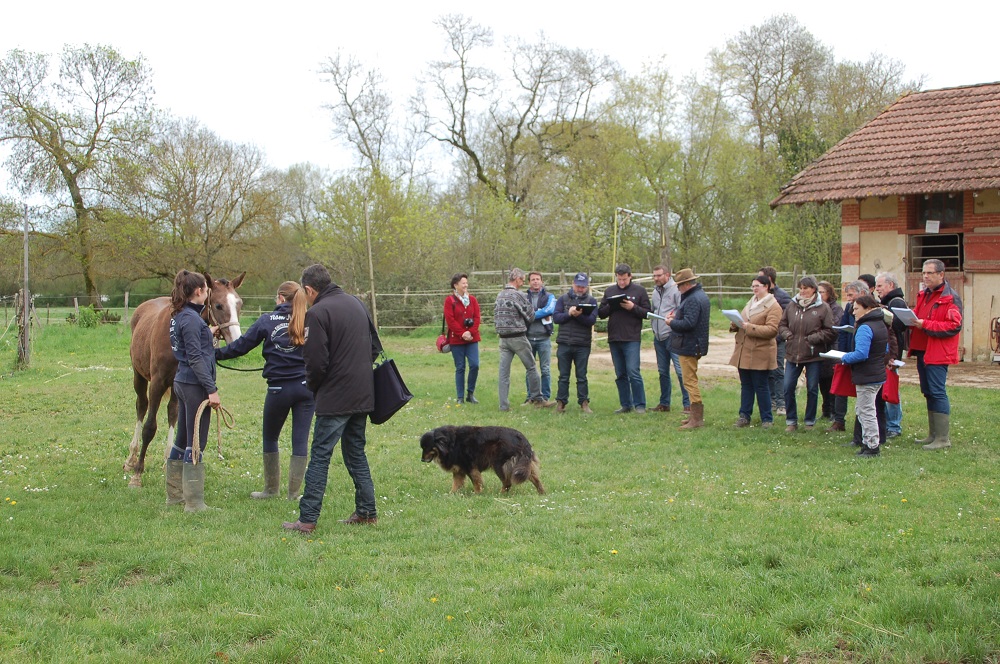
{"x": 755, "y": 383}
{"x": 894, "y": 417}
{"x": 664, "y": 358}
{"x": 792, "y": 373}
{"x": 462, "y": 354}
{"x": 777, "y": 377}
{"x": 350, "y": 431}
{"x": 932, "y": 385}
{"x": 628, "y": 378}
{"x": 509, "y": 347}
{"x": 575, "y": 357}
{"x": 542, "y": 349}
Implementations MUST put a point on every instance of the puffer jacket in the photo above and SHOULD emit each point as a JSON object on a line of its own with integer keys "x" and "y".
{"x": 574, "y": 330}
{"x": 756, "y": 348}
{"x": 867, "y": 360}
{"x": 690, "y": 323}
{"x": 807, "y": 330}
{"x": 941, "y": 311}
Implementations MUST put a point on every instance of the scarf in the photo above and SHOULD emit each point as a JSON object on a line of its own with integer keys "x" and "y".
{"x": 755, "y": 306}
{"x": 464, "y": 299}
{"x": 807, "y": 302}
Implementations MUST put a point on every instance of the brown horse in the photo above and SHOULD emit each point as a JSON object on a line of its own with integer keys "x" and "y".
{"x": 154, "y": 365}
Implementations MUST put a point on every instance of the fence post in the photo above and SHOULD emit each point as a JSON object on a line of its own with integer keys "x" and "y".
{"x": 721, "y": 305}
{"x": 76, "y": 308}
{"x": 126, "y": 307}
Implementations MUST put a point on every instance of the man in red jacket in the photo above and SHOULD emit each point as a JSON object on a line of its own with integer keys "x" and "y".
{"x": 934, "y": 342}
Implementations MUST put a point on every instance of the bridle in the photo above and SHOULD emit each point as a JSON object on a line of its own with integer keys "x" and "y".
{"x": 212, "y": 320}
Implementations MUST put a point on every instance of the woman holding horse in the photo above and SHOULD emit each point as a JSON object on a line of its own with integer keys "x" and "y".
{"x": 194, "y": 382}
{"x": 282, "y": 332}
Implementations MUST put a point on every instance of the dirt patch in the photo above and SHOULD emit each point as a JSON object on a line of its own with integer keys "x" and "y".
{"x": 720, "y": 348}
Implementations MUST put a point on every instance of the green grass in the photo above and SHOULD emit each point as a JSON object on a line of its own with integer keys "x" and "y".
{"x": 652, "y": 545}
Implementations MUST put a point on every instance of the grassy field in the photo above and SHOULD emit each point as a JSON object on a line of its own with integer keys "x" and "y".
{"x": 652, "y": 545}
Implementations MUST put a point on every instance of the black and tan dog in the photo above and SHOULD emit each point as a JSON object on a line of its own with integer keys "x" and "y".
{"x": 467, "y": 451}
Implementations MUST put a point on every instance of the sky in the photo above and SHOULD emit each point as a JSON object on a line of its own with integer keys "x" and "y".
{"x": 249, "y": 71}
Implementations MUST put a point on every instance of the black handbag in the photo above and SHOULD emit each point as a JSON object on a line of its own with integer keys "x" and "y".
{"x": 390, "y": 390}
{"x": 391, "y": 393}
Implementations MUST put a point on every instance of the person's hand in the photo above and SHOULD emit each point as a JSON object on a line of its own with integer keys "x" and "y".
{"x": 628, "y": 304}
{"x": 213, "y": 400}
{"x": 575, "y": 311}
{"x": 919, "y": 323}
{"x": 467, "y": 336}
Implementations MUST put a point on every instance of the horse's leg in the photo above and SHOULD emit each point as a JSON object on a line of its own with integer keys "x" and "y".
{"x": 148, "y": 430}
{"x": 140, "y": 384}
{"x": 171, "y": 423}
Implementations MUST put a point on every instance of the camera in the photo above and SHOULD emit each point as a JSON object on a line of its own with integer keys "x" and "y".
{"x": 469, "y": 322}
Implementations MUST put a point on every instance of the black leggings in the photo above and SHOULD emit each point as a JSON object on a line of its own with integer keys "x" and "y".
{"x": 281, "y": 399}
{"x": 189, "y": 397}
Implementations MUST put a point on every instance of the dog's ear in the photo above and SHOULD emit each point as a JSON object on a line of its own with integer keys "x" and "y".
{"x": 441, "y": 440}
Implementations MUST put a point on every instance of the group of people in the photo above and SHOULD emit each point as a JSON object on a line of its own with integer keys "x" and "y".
{"x": 869, "y": 338}
{"x": 778, "y": 338}
{"x": 526, "y": 320}
{"x": 317, "y": 364}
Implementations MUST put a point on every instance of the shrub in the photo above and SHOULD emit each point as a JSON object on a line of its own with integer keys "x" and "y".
{"x": 88, "y": 317}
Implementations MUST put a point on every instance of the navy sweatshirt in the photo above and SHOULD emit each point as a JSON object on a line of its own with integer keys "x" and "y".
{"x": 282, "y": 361}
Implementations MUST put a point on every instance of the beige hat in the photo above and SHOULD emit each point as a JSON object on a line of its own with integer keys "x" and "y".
{"x": 684, "y": 276}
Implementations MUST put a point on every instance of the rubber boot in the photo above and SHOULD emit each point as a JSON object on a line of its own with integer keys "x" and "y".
{"x": 272, "y": 477}
{"x": 194, "y": 487}
{"x": 941, "y": 434}
{"x": 296, "y": 471}
{"x": 175, "y": 483}
{"x": 930, "y": 427}
{"x": 697, "y": 418}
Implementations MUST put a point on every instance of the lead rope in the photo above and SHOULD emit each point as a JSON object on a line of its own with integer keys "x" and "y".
{"x": 222, "y": 416}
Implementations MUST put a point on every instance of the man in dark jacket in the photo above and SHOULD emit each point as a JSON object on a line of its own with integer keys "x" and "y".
{"x": 689, "y": 338}
{"x": 625, "y": 305}
{"x": 338, "y": 352}
{"x": 891, "y": 296}
{"x": 575, "y": 314}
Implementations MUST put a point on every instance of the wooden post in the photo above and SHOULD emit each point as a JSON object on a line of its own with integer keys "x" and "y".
{"x": 664, "y": 209}
{"x": 24, "y": 345}
{"x": 76, "y": 308}
{"x": 719, "y": 281}
{"x": 126, "y": 307}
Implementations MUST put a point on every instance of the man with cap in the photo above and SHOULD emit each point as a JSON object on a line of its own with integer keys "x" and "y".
{"x": 625, "y": 305}
{"x": 512, "y": 314}
{"x": 666, "y": 297}
{"x": 689, "y": 338}
{"x": 575, "y": 314}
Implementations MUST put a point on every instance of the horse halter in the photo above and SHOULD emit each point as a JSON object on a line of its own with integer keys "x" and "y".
{"x": 212, "y": 320}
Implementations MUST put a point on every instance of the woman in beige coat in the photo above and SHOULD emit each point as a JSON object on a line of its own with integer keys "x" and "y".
{"x": 756, "y": 352}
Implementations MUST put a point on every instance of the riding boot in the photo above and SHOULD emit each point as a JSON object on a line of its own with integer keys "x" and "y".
{"x": 296, "y": 471}
{"x": 941, "y": 434}
{"x": 175, "y": 482}
{"x": 930, "y": 427}
{"x": 697, "y": 418}
{"x": 194, "y": 487}
{"x": 272, "y": 476}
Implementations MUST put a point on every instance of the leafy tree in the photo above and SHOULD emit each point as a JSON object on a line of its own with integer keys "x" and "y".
{"x": 71, "y": 135}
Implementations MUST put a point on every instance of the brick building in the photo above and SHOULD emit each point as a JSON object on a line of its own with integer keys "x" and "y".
{"x": 921, "y": 180}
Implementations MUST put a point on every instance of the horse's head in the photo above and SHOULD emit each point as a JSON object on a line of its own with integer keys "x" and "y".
{"x": 224, "y": 306}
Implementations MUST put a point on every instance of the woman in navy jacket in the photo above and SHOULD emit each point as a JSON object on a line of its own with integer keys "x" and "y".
{"x": 282, "y": 332}
{"x": 194, "y": 382}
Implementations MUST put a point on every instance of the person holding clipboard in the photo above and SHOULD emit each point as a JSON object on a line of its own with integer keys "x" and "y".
{"x": 575, "y": 314}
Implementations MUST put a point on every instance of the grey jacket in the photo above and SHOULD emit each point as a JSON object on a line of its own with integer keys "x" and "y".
{"x": 665, "y": 300}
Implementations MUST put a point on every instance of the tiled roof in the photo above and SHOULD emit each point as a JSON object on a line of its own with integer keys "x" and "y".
{"x": 926, "y": 142}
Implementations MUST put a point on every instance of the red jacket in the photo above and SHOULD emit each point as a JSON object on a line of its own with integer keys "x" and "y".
{"x": 941, "y": 311}
{"x": 455, "y": 314}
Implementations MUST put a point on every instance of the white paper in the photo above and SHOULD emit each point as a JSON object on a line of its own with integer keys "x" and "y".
{"x": 735, "y": 317}
{"x": 898, "y": 363}
{"x": 833, "y": 354}
{"x": 844, "y": 328}
{"x": 933, "y": 226}
{"x": 906, "y": 315}
{"x": 650, "y": 314}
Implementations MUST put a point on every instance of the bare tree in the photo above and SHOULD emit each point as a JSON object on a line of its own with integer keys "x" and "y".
{"x": 70, "y": 134}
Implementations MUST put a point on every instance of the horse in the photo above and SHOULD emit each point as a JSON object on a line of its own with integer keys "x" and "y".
{"x": 154, "y": 365}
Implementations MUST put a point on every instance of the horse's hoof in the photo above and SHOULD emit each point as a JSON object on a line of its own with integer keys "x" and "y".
{"x": 135, "y": 482}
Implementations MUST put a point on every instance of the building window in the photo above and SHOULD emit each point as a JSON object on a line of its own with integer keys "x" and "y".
{"x": 946, "y": 247}
{"x": 944, "y": 208}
